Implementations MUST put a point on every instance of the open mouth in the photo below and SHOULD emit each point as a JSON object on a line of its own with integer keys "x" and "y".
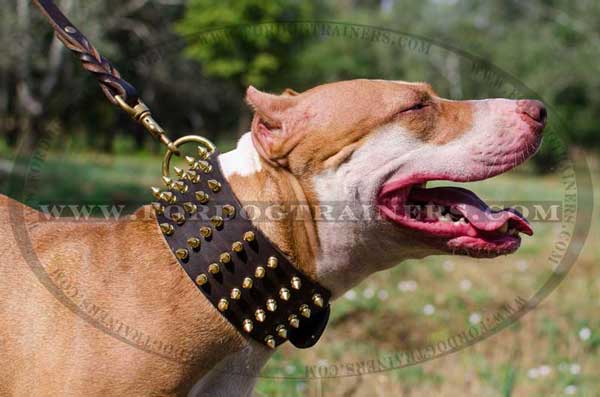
{"x": 453, "y": 219}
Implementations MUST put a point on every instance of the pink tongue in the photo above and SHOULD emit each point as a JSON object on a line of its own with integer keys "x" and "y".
{"x": 471, "y": 207}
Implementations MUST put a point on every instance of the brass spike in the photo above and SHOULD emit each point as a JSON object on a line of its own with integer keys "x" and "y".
{"x": 223, "y": 304}
{"x": 217, "y": 221}
{"x": 260, "y": 315}
{"x": 214, "y": 268}
{"x": 180, "y": 186}
{"x": 167, "y": 229}
{"x": 248, "y": 326}
{"x": 214, "y": 185}
{"x": 158, "y": 208}
{"x": 204, "y": 166}
{"x": 249, "y": 237}
{"x": 281, "y": 331}
{"x": 272, "y": 262}
{"x": 247, "y": 283}
{"x": 229, "y": 210}
{"x": 182, "y": 254}
{"x": 203, "y": 153}
{"x": 178, "y": 171}
{"x": 193, "y": 176}
{"x": 156, "y": 192}
{"x": 236, "y": 294}
{"x": 225, "y": 257}
{"x": 167, "y": 181}
{"x": 260, "y": 272}
{"x": 294, "y": 321}
{"x": 202, "y": 197}
{"x": 271, "y": 305}
{"x": 168, "y": 197}
{"x": 205, "y": 231}
{"x": 201, "y": 279}
{"x": 296, "y": 282}
{"x": 237, "y": 247}
{"x": 284, "y": 294}
{"x": 190, "y": 160}
{"x": 179, "y": 218}
{"x": 194, "y": 242}
{"x": 270, "y": 341}
{"x": 305, "y": 311}
{"x": 317, "y": 300}
{"x": 190, "y": 207}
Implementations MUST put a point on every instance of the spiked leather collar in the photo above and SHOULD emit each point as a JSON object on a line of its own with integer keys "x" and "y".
{"x": 233, "y": 264}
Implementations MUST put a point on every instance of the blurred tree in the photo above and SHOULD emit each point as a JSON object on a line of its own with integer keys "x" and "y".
{"x": 198, "y": 85}
{"x": 244, "y": 48}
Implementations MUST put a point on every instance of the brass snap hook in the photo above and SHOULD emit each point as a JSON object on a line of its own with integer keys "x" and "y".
{"x": 141, "y": 113}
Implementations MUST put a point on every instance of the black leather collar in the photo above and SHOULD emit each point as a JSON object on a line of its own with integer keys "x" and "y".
{"x": 239, "y": 270}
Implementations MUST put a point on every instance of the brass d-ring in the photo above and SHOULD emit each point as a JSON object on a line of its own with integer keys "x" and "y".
{"x": 166, "y": 164}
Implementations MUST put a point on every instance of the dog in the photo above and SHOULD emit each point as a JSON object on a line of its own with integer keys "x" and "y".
{"x": 369, "y": 144}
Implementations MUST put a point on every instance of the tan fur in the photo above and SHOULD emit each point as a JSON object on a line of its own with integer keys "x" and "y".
{"x": 123, "y": 267}
{"x": 296, "y": 236}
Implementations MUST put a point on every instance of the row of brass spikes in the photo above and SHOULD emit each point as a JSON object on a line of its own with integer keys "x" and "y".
{"x": 280, "y": 329}
{"x": 224, "y": 258}
{"x": 235, "y": 293}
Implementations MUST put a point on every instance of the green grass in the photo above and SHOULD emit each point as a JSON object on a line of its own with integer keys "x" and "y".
{"x": 387, "y": 312}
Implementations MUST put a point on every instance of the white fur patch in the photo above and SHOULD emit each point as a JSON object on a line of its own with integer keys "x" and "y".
{"x": 347, "y": 247}
{"x": 243, "y": 160}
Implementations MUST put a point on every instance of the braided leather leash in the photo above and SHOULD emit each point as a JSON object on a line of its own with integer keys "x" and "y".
{"x": 116, "y": 89}
{"x": 232, "y": 263}
{"x": 108, "y": 76}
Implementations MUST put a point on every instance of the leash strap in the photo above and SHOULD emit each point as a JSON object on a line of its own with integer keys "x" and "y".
{"x": 239, "y": 270}
{"x": 116, "y": 89}
{"x": 108, "y": 76}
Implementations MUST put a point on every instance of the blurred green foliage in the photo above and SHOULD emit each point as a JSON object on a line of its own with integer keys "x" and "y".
{"x": 237, "y": 54}
{"x": 192, "y": 61}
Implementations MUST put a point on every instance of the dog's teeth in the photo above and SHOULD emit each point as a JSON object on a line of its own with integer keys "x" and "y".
{"x": 461, "y": 221}
{"x": 444, "y": 218}
{"x": 504, "y": 228}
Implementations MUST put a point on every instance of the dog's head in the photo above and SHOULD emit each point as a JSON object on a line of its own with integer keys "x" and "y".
{"x": 368, "y": 147}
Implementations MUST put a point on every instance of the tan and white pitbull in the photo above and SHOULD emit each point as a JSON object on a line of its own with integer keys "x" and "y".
{"x": 369, "y": 144}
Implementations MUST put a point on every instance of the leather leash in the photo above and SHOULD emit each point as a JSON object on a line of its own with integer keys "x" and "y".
{"x": 232, "y": 263}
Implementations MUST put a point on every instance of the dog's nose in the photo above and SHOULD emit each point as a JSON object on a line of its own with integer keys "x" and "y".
{"x": 534, "y": 109}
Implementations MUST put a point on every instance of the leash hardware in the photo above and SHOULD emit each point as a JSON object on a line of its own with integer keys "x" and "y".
{"x": 166, "y": 165}
{"x": 141, "y": 113}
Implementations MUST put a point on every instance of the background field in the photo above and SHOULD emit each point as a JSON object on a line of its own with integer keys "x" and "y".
{"x": 89, "y": 154}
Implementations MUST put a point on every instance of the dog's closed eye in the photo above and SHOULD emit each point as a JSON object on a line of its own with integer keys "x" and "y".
{"x": 415, "y": 107}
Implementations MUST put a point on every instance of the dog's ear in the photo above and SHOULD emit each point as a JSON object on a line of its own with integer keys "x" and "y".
{"x": 271, "y": 127}
{"x": 290, "y": 92}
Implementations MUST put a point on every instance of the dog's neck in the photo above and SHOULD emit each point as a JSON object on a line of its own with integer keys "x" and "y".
{"x": 269, "y": 191}
{"x": 279, "y": 203}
